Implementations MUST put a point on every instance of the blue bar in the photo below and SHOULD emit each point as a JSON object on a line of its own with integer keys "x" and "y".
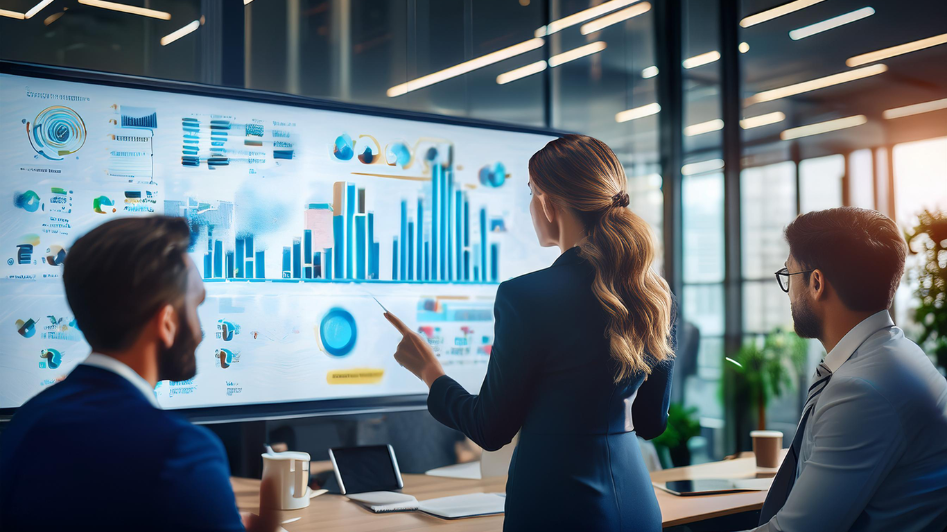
{"x": 218, "y": 259}
{"x": 328, "y": 252}
{"x": 376, "y": 261}
{"x": 350, "y": 229}
{"x": 238, "y": 267}
{"x": 260, "y": 268}
{"x": 207, "y": 267}
{"x": 427, "y": 261}
{"x": 466, "y": 238}
{"x": 317, "y": 265}
{"x": 338, "y": 234}
{"x": 307, "y": 249}
{"x": 287, "y": 269}
{"x": 443, "y": 252}
{"x": 360, "y": 245}
{"x": 230, "y": 265}
{"x": 394, "y": 260}
{"x": 494, "y": 262}
{"x": 404, "y": 241}
{"x": 483, "y": 244}
{"x": 297, "y": 258}
{"x": 420, "y": 239}
{"x": 372, "y": 254}
{"x": 466, "y": 264}
{"x": 410, "y": 251}
{"x": 248, "y": 269}
{"x": 435, "y": 218}
{"x": 248, "y": 244}
{"x": 448, "y": 219}
{"x": 459, "y": 234}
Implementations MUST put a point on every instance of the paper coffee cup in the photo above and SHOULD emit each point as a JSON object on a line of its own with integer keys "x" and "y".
{"x": 766, "y": 447}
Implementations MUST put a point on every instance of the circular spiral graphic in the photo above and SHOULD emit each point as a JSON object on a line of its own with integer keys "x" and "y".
{"x": 56, "y": 132}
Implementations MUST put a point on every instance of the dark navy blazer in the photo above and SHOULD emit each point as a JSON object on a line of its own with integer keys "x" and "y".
{"x": 578, "y": 465}
{"x": 92, "y": 453}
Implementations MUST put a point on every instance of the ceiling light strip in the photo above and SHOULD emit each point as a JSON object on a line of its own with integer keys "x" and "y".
{"x": 11, "y": 14}
{"x": 762, "y": 120}
{"x": 830, "y": 24}
{"x": 465, "y": 67}
{"x": 576, "y": 53}
{"x": 703, "y": 127}
{"x": 582, "y": 16}
{"x": 615, "y": 18}
{"x": 702, "y": 59}
{"x": 638, "y": 112}
{"x": 916, "y": 109}
{"x": 823, "y": 127}
{"x": 134, "y": 10}
{"x": 37, "y": 8}
{"x": 815, "y": 84}
{"x": 175, "y": 35}
{"x": 522, "y": 72}
{"x": 702, "y": 167}
{"x": 776, "y": 12}
{"x": 901, "y": 49}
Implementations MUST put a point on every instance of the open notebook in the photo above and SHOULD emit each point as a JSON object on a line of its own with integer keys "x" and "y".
{"x": 458, "y": 506}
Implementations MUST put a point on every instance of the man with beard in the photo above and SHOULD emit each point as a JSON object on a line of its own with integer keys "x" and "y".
{"x": 870, "y": 452}
{"x": 96, "y": 451}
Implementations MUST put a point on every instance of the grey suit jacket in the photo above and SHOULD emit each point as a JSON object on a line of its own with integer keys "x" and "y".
{"x": 874, "y": 452}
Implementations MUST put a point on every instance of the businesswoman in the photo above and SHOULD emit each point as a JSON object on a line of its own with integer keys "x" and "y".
{"x": 581, "y": 359}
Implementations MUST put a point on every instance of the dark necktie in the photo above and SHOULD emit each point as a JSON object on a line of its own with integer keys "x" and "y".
{"x": 786, "y": 476}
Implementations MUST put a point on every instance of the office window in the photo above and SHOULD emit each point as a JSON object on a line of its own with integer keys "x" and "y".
{"x": 703, "y": 228}
{"x": 920, "y": 182}
{"x": 820, "y": 182}
{"x": 861, "y": 179}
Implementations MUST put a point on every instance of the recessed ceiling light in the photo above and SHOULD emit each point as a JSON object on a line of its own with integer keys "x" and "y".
{"x": 702, "y": 59}
{"x": 702, "y": 167}
{"x": 703, "y": 127}
{"x": 175, "y": 35}
{"x": 649, "y": 72}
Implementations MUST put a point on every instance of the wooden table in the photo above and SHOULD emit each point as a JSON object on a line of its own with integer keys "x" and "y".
{"x": 331, "y": 513}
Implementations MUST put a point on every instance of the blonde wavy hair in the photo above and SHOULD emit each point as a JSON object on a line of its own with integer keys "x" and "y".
{"x": 582, "y": 174}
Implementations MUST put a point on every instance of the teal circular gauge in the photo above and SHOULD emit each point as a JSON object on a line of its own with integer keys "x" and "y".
{"x": 338, "y": 332}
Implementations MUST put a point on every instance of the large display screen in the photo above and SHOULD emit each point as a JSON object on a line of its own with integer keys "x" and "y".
{"x": 301, "y": 215}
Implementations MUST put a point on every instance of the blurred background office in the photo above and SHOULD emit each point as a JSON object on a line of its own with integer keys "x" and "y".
{"x": 731, "y": 117}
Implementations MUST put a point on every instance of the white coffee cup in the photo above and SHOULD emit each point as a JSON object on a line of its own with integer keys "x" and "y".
{"x": 288, "y": 473}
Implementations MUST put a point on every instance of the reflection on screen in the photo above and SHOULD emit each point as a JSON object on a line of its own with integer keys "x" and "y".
{"x": 299, "y": 216}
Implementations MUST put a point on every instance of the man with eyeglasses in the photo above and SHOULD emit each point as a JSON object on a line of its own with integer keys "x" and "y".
{"x": 870, "y": 451}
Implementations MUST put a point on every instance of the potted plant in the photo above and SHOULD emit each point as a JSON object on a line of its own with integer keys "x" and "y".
{"x": 681, "y": 427}
{"x": 928, "y": 240}
{"x": 764, "y": 372}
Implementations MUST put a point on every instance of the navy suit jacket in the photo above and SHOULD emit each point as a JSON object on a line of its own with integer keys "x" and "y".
{"x": 92, "y": 453}
{"x": 551, "y": 377}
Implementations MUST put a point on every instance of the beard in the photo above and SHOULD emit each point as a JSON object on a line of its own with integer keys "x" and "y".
{"x": 805, "y": 322}
{"x": 178, "y": 363}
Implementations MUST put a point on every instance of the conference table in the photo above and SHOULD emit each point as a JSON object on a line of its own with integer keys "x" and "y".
{"x": 335, "y": 513}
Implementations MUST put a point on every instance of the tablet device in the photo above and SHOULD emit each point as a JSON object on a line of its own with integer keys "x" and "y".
{"x": 364, "y": 469}
{"x": 709, "y": 486}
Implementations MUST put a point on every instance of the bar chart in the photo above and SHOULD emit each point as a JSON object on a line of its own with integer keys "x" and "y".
{"x": 438, "y": 239}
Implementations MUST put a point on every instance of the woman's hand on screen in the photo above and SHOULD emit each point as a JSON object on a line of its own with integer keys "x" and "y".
{"x": 415, "y": 354}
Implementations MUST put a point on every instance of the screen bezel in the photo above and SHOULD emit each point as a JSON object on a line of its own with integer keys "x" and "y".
{"x": 281, "y": 410}
{"x": 356, "y": 450}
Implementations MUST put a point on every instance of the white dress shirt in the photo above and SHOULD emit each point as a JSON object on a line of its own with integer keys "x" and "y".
{"x": 874, "y": 452}
{"x": 120, "y": 368}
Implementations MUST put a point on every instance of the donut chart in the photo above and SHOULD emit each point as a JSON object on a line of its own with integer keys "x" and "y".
{"x": 338, "y": 332}
{"x": 57, "y": 131}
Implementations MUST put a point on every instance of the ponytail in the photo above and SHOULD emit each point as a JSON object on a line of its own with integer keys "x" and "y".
{"x": 583, "y": 174}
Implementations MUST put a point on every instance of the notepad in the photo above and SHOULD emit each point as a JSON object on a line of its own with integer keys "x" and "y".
{"x": 385, "y": 501}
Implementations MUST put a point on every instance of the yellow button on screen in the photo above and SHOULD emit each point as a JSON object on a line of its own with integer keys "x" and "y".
{"x": 355, "y": 376}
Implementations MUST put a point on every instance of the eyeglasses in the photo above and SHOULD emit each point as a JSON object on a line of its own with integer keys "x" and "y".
{"x": 782, "y": 277}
